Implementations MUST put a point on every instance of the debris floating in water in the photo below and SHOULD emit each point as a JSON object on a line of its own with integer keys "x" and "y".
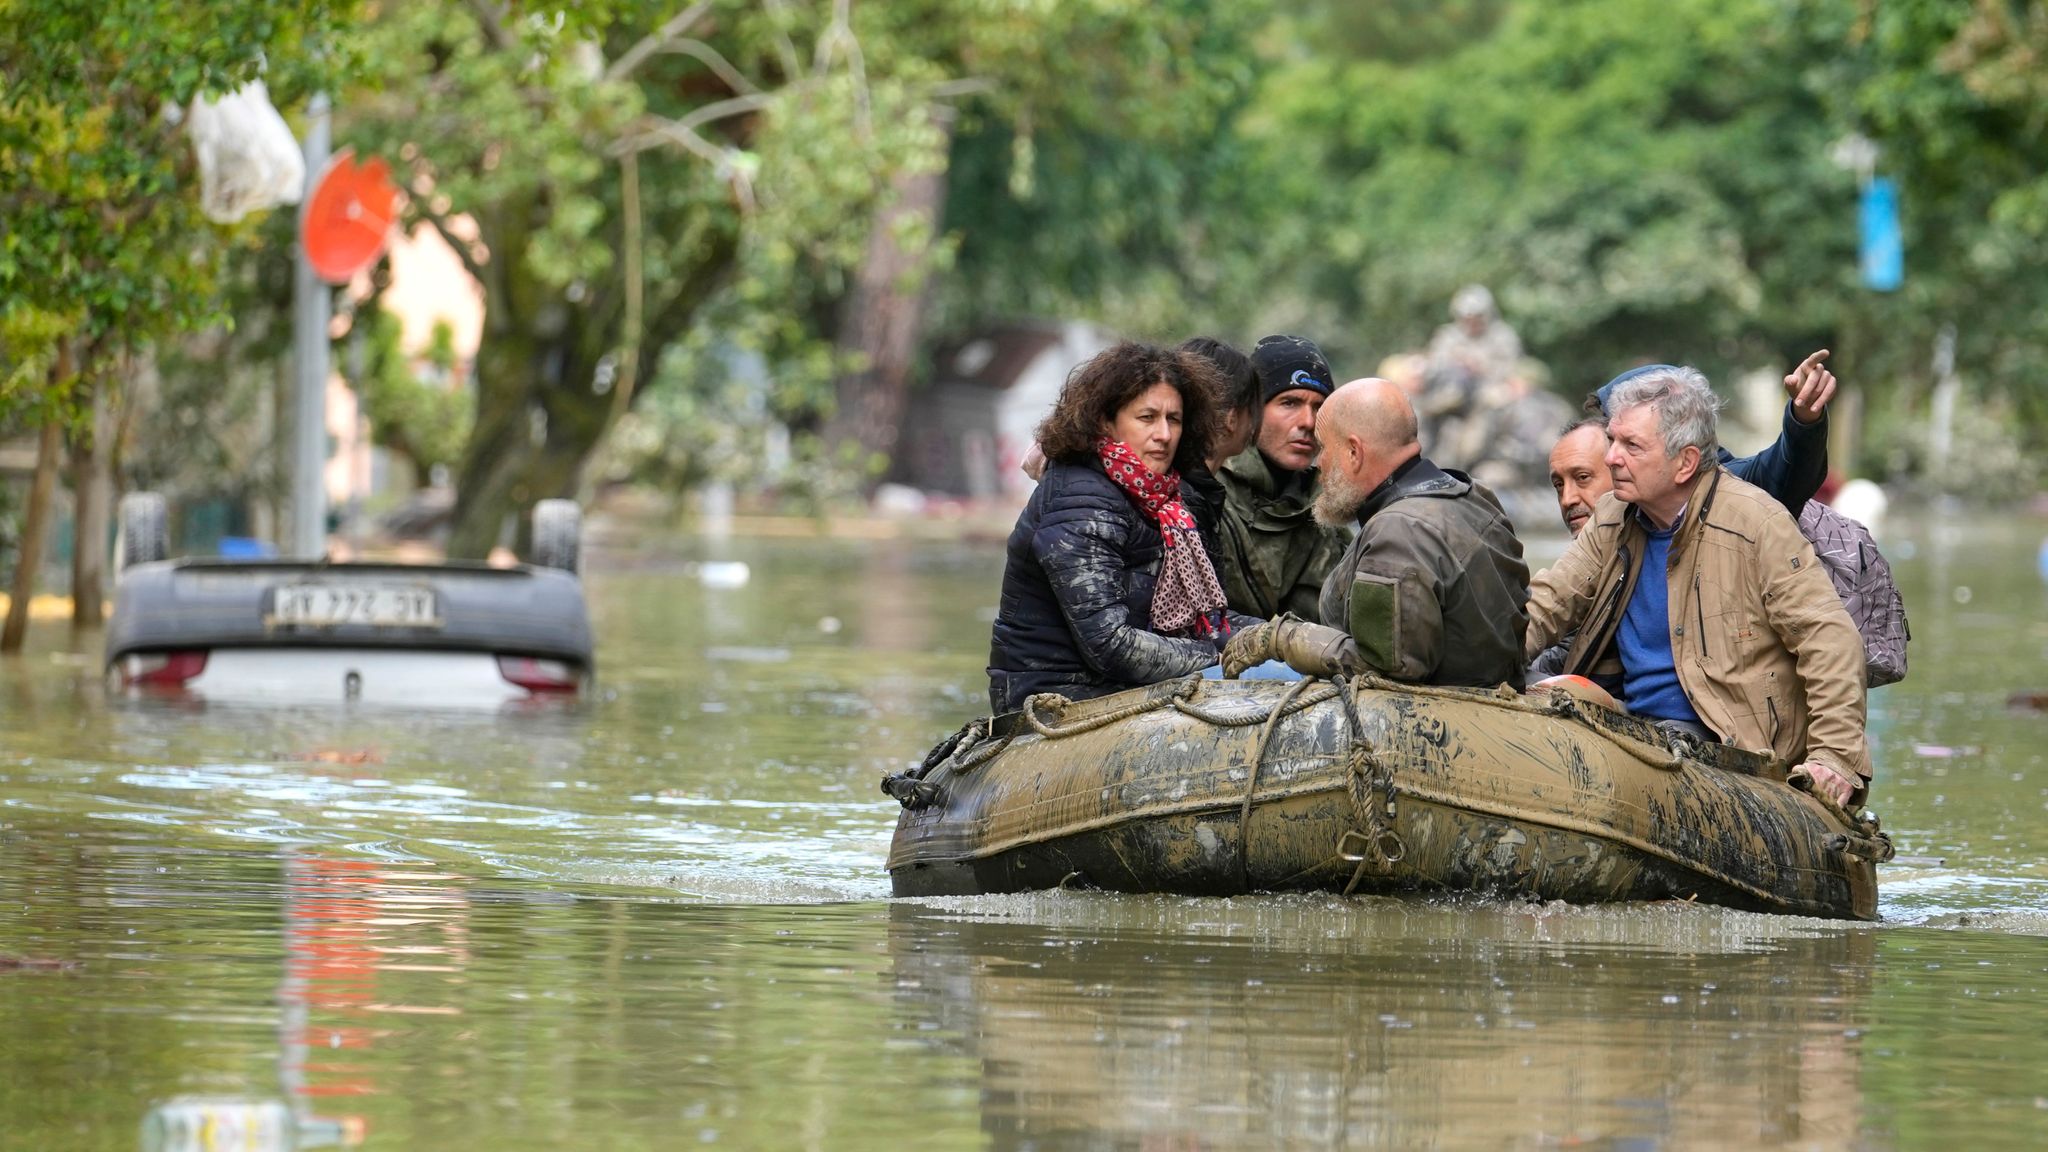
{"x": 724, "y": 573}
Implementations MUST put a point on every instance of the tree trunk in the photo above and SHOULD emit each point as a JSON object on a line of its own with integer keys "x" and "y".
{"x": 524, "y": 387}
{"x": 882, "y": 320}
{"x": 92, "y": 487}
{"x": 33, "y": 528}
{"x": 538, "y": 360}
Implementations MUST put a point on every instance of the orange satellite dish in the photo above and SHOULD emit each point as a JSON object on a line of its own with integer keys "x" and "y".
{"x": 348, "y": 217}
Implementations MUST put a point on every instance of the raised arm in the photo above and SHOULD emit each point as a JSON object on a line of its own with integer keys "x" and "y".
{"x": 1795, "y": 464}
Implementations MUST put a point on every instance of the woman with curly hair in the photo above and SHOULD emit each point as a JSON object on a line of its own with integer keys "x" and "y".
{"x": 1107, "y": 585}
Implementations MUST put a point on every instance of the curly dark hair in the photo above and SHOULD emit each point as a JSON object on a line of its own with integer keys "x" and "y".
{"x": 1097, "y": 390}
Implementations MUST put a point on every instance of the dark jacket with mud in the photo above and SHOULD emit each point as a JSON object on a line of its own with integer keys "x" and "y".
{"x": 1271, "y": 555}
{"x": 1433, "y": 590}
{"x": 1764, "y": 650}
{"x": 1076, "y": 608}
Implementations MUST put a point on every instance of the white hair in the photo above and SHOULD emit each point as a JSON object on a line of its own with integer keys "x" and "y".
{"x": 1685, "y": 406}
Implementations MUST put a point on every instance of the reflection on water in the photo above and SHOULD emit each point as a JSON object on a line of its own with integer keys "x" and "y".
{"x": 655, "y": 919}
{"x": 1215, "y": 1024}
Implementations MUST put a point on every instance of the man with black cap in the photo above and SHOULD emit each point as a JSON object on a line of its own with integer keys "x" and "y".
{"x": 1272, "y": 555}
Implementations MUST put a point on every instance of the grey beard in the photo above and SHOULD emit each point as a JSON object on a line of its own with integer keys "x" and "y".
{"x": 1338, "y": 500}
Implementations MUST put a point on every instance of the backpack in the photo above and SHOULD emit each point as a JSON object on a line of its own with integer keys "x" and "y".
{"x": 1863, "y": 579}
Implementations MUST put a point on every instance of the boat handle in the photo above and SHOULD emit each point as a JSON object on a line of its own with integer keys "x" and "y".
{"x": 1386, "y": 847}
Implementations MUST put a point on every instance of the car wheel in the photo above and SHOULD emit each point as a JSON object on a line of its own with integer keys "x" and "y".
{"x": 145, "y": 529}
{"x": 557, "y": 534}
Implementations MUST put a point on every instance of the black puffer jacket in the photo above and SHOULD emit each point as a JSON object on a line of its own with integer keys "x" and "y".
{"x": 1076, "y": 609}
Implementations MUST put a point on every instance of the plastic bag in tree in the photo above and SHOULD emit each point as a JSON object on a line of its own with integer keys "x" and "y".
{"x": 248, "y": 160}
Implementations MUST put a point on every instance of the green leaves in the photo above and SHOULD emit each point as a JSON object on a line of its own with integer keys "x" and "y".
{"x": 106, "y": 246}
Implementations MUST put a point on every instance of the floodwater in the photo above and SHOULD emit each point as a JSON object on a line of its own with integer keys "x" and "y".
{"x": 660, "y": 920}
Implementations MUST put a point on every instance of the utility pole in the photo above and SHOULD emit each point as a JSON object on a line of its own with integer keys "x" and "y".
{"x": 311, "y": 310}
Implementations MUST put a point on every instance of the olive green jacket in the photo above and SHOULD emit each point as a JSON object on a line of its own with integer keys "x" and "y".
{"x": 1765, "y": 651}
{"x": 1434, "y": 588}
{"x": 1271, "y": 555}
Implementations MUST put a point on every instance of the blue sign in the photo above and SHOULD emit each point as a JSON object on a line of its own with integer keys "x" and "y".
{"x": 1883, "y": 251}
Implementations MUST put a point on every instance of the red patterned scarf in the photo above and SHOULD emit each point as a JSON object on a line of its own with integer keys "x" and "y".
{"x": 1187, "y": 600}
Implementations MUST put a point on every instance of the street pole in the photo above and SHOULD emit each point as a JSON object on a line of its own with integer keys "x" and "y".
{"x": 310, "y": 317}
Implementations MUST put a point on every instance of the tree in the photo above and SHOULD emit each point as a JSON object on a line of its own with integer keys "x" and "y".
{"x": 106, "y": 250}
{"x": 1636, "y": 179}
{"x": 624, "y": 167}
{"x": 1089, "y": 173}
{"x": 1951, "y": 90}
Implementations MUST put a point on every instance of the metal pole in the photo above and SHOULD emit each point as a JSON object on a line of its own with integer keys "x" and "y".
{"x": 310, "y": 315}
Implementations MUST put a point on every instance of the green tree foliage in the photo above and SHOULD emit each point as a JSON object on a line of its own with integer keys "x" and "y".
{"x": 1637, "y": 179}
{"x": 627, "y": 168}
{"x": 1101, "y": 177}
{"x": 415, "y": 407}
{"x": 105, "y": 246}
{"x": 653, "y": 186}
{"x": 1952, "y": 91}
{"x": 1087, "y": 171}
{"x": 1654, "y": 179}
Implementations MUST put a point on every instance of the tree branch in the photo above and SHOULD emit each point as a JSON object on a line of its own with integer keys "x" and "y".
{"x": 839, "y": 35}
{"x": 792, "y": 64}
{"x": 657, "y": 40}
{"x": 965, "y": 86}
{"x": 720, "y": 109}
{"x": 489, "y": 20}
{"x": 719, "y": 65}
{"x": 470, "y": 263}
{"x": 725, "y": 161}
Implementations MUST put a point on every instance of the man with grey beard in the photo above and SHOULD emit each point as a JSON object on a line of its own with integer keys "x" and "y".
{"x": 1432, "y": 591}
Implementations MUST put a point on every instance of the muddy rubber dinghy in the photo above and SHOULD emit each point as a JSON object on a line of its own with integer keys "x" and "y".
{"x": 1222, "y": 787}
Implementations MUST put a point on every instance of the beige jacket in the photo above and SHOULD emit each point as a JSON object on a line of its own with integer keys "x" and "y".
{"x": 1765, "y": 652}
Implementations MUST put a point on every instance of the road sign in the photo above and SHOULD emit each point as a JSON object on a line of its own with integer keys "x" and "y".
{"x": 348, "y": 217}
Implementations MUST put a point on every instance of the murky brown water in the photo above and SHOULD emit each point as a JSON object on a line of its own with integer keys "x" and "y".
{"x": 659, "y": 921}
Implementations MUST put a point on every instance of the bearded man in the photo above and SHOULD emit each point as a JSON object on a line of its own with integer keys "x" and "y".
{"x": 1432, "y": 591}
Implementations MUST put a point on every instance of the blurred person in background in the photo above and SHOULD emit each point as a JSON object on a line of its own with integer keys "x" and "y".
{"x": 1469, "y": 359}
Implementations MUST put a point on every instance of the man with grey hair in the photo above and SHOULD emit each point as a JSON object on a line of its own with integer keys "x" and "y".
{"x": 1743, "y": 639}
{"x": 1431, "y": 590}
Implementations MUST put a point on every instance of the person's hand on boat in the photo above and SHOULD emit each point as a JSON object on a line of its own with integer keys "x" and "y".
{"x": 1310, "y": 649}
{"x": 1810, "y": 387}
{"x": 1828, "y": 782}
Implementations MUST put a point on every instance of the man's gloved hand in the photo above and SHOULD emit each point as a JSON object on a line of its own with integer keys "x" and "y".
{"x": 1250, "y": 647}
{"x": 1310, "y": 649}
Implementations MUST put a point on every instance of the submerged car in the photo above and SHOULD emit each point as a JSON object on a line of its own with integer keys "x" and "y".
{"x": 448, "y": 634}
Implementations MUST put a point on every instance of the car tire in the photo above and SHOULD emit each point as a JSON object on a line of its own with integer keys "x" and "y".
{"x": 145, "y": 529}
{"x": 557, "y": 534}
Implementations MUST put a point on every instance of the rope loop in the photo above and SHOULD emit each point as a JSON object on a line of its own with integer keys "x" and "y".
{"x": 1371, "y": 783}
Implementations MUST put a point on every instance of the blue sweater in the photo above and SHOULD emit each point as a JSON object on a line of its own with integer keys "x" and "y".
{"x": 1649, "y": 674}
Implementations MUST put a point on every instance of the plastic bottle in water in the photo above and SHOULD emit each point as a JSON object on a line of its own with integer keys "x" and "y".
{"x": 211, "y": 1124}
{"x": 229, "y": 1124}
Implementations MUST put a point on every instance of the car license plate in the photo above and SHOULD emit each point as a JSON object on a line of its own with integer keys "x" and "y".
{"x": 377, "y": 605}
